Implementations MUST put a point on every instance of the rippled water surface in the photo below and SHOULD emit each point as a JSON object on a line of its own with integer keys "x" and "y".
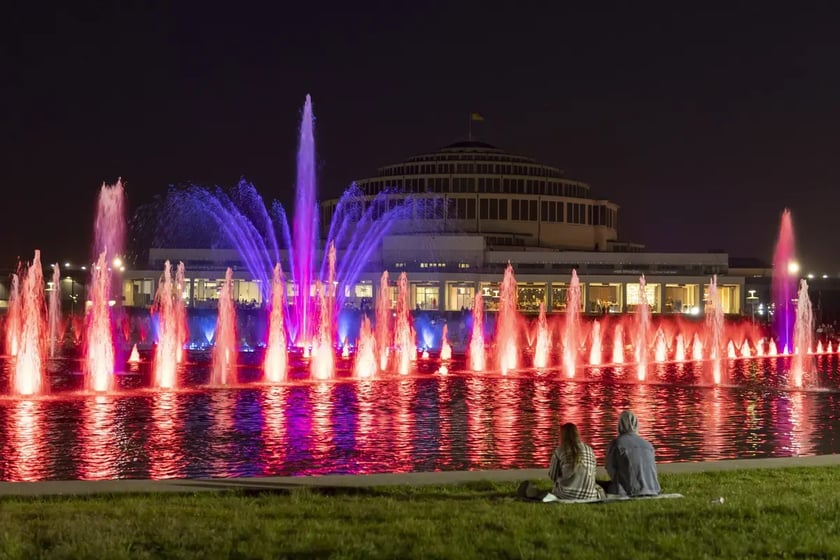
{"x": 422, "y": 422}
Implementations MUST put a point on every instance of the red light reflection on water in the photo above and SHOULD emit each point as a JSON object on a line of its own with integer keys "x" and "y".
{"x": 593, "y": 417}
{"x": 99, "y": 448}
{"x": 444, "y": 402}
{"x": 417, "y": 422}
{"x": 569, "y": 407}
{"x": 222, "y": 404}
{"x": 366, "y": 430}
{"x": 25, "y": 455}
{"x": 479, "y": 418}
{"x": 543, "y": 438}
{"x": 403, "y": 426}
{"x": 165, "y": 457}
{"x": 274, "y": 427}
{"x": 714, "y": 442}
{"x": 801, "y": 428}
{"x": 322, "y": 404}
{"x": 507, "y": 432}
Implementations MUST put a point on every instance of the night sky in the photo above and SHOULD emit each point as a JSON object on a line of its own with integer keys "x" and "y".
{"x": 702, "y": 125}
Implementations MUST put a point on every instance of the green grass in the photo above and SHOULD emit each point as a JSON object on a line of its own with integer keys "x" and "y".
{"x": 784, "y": 513}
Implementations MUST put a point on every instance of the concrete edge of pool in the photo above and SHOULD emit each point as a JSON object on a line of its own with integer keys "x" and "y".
{"x": 128, "y": 486}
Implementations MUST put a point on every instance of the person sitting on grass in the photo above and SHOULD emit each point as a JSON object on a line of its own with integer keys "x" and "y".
{"x": 631, "y": 461}
{"x": 573, "y": 467}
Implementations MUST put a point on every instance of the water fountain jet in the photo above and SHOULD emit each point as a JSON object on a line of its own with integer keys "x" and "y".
{"x": 224, "y": 348}
{"x": 507, "y": 348}
{"x": 801, "y": 362}
{"x": 478, "y": 360}
{"x": 543, "y": 346}
{"x": 785, "y": 272}
{"x": 28, "y": 377}
{"x": 276, "y": 353}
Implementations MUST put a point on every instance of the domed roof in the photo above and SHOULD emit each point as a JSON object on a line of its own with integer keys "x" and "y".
{"x": 470, "y": 144}
{"x": 467, "y": 151}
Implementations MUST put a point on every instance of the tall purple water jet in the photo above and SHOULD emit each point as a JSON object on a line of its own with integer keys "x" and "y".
{"x": 224, "y": 348}
{"x": 507, "y": 331}
{"x": 276, "y": 355}
{"x": 305, "y": 225}
{"x": 785, "y": 274}
{"x": 404, "y": 343}
{"x": 28, "y": 368}
{"x": 383, "y": 321}
{"x": 802, "y": 361}
{"x": 99, "y": 353}
{"x": 54, "y": 310}
{"x": 166, "y": 351}
{"x": 715, "y": 326}
{"x": 13, "y": 316}
{"x": 478, "y": 361}
{"x": 240, "y": 219}
{"x": 323, "y": 352}
{"x": 642, "y": 326}
{"x": 571, "y": 334}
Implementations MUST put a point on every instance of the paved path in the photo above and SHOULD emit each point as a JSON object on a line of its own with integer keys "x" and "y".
{"x": 84, "y": 487}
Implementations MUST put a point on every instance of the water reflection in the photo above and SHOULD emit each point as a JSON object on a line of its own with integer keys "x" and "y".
{"x": 222, "y": 434}
{"x": 420, "y": 422}
{"x": 507, "y": 430}
{"x": 478, "y": 421}
{"x": 545, "y": 438}
{"x": 24, "y": 456}
{"x": 274, "y": 428}
{"x": 321, "y": 440}
{"x": 98, "y": 443}
{"x": 402, "y": 426}
{"x": 165, "y": 456}
{"x": 366, "y": 429}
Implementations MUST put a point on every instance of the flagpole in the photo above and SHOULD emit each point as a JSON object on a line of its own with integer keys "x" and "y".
{"x": 469, "y": 127}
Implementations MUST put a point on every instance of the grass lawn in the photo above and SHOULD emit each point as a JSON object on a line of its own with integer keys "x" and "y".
{"x": 767, "y": 514}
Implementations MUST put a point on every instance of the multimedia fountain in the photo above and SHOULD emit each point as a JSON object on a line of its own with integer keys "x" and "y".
{"x": 413, "y": 391}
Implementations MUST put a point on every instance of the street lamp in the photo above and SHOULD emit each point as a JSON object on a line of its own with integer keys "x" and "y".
{"x": 793, "y": 268}
{"x": 752, "y": 301}
{"x": 73, "y": 296}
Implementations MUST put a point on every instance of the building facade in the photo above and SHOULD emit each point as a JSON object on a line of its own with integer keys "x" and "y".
{"x": 471, "y": 209}
{"x": 446, "y": 271}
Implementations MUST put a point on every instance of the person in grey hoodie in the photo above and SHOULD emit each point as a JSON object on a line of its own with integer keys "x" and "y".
{"x": 631, "y": 461}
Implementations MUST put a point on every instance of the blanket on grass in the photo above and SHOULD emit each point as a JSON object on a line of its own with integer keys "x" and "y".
{"x": 551, "y": 498}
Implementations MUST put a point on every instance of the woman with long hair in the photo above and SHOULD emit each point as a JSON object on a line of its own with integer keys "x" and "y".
{"x": 573, "y": 468}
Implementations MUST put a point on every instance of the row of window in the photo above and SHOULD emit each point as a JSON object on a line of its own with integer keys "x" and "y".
{"x": 461, "y": 156}
{"x": 533, "y": 170}
{"x": 529, "y": 210}
{"x": 493, "y": 209}
{"x": 480, "y": 185}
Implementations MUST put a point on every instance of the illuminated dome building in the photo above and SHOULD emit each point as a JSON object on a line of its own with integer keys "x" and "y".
{"x": 473, "y": 209}
{"x": 510, "y": 200}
